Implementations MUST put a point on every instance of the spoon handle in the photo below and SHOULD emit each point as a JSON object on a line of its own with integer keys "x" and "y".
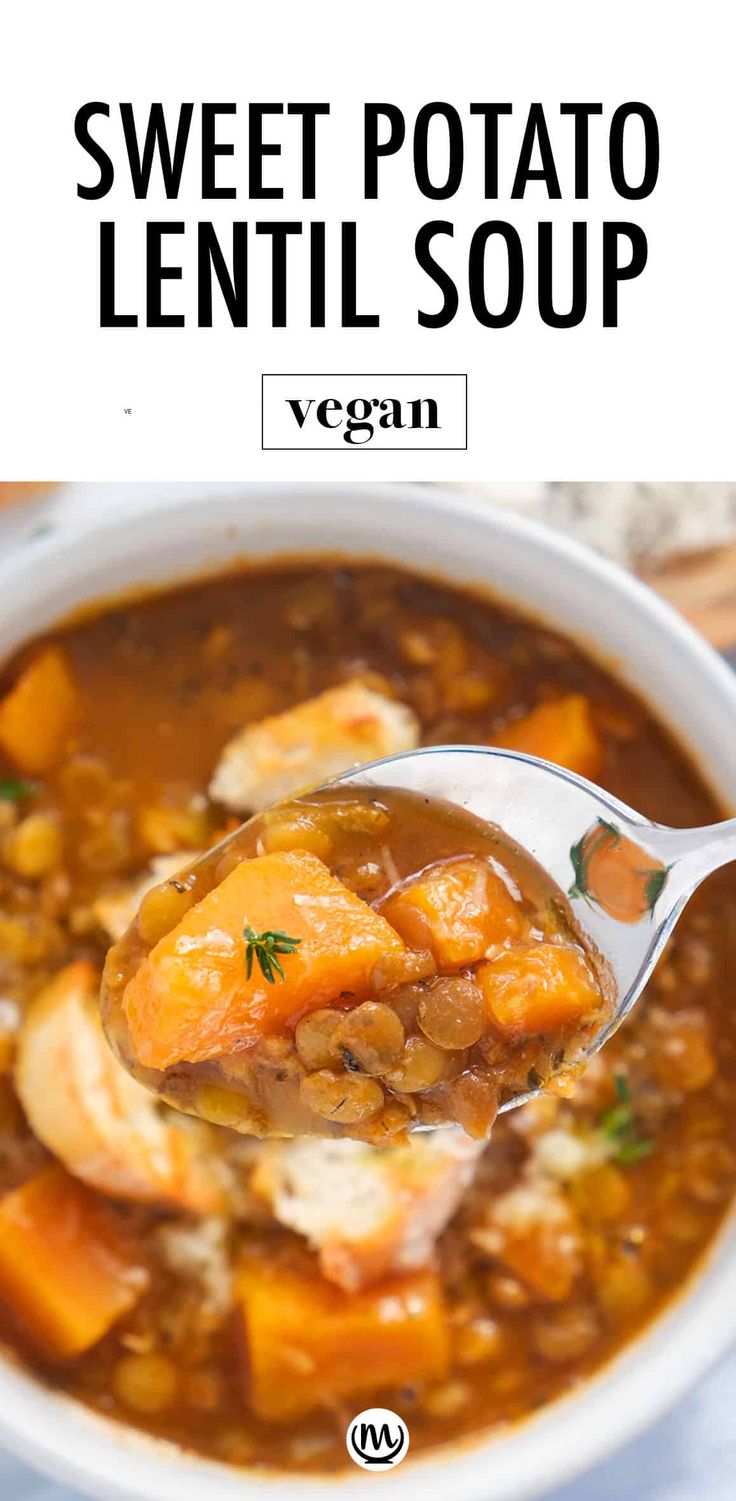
{"x": 694, "y": 853}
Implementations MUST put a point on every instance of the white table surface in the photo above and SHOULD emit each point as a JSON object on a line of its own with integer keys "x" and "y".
{"x": 689, "y": 1455}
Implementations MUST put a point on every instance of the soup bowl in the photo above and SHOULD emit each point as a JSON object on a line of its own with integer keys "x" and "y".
{"x": 116, "y": 539}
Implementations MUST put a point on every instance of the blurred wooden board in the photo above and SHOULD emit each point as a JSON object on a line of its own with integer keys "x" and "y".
{"x": 12, "y": 492}
{"x": 703, "y": 587}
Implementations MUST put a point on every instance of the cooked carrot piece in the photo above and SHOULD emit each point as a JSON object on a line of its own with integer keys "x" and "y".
{"x": 562, "y": 732}
{"x": 538, "y": 987}
{"x": 457, "y": 910}
{"x": 37, "y": 714}
{"x": 67, "y": 1269}
{"x": 192, "y": 999}
{"x": 309, "y": 1343}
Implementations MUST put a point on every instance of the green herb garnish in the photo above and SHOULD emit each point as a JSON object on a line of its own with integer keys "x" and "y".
{"x": 14, "y": 789}
{"x": 619, "y": 1126}
{"x": 266, "y": 947}
{"x": 622, "y": 1088}
{"x": 633, "y": 1151}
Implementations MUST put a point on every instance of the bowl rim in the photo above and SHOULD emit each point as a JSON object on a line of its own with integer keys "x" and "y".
{"x": 75, "y": 532}
{"x": 66, "y": 1441}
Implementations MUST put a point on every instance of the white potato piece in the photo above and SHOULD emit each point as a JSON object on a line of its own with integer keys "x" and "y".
{"x": 366, "y": 1211}
{"x": 532, "y": 1229}
{"x": 198, "y": 1251}
{"x": 559, "y": 1151}
{"x": 104, "y": 1127}
{"x": 310, "y": 743}
{"x": 115, "y": 909}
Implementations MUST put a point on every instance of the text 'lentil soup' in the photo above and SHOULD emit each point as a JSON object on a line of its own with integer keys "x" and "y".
{"x": 244, "y": 1297}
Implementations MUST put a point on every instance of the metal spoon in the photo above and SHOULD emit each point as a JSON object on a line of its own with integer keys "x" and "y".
{"x": 627, "y": 879}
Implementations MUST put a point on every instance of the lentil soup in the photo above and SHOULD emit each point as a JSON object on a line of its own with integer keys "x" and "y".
{"x": 245, "y": 1298}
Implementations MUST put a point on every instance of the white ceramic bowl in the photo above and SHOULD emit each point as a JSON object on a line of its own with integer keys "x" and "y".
{"x": 190, "y": 529}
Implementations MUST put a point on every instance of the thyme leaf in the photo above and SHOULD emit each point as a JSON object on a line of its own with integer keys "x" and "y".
{"x": 619, "y": 1126}
{"x": 266, "y": 947}
{"x": 14, "y": 789}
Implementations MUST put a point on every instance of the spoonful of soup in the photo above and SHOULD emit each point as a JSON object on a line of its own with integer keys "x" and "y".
{"x": 427, "y": 940}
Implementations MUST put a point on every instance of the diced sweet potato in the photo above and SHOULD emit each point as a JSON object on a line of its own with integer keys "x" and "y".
{"x": 538, "y": 987}
{"x": 191, "y": 998}
{"x": 457, "y": 910}
{"x": 37, "y": 715}
{"x": 308, "y": 1343}
{"x": 562, "y": 732}
{"x": 67, "y": 1270}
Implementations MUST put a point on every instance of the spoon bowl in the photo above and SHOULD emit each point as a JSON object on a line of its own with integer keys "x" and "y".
{"x": 624, "y": 881}
{"x": 627, "y": 879}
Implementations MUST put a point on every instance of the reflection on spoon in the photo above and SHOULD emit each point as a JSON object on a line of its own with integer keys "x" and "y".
{"x": 615, "y": 874}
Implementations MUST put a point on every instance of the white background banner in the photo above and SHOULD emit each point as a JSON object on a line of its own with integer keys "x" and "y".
{"x": 650, "y": 398}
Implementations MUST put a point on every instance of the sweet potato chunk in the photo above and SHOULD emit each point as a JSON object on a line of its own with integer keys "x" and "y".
{"x": 37, "y": 715}
{"x": 308, "y": 1343}
{"x": 191, "y": 998}
{"x": 458, "y": 909}
{"x": 67, "y": 1272}
{"x": 538, "y": 987}
{"x": 562, "y": 732}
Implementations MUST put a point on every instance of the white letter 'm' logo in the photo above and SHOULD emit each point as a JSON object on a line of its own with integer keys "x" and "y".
{"x": 377, "y": 1438}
